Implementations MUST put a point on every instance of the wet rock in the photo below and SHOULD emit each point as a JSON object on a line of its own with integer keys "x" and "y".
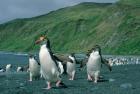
{"x": 21, "y": 84}
{"x": 126, "y": 85}
{"x": 111, "y": 80}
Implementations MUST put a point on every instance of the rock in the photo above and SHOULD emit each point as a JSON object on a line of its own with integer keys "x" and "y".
{"x": 126, "y": 85}
{"x": 111, "y": 80}
{"x": 21, "y": 84}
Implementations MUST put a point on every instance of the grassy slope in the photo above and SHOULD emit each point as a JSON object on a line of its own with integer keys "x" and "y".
{"x": 116, "y": 27}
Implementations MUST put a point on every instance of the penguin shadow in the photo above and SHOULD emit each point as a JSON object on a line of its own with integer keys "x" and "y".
{"x": 62, "y": 86}
{"x": 103, "y": 80}
{"x": 100, "y": 80}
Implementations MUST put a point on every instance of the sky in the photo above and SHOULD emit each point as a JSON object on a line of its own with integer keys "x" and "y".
{"x": 13, "y": 9}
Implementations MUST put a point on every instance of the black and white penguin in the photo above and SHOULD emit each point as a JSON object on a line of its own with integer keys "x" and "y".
{"x": 94, "y": 64}
{"x": 71, "y": 67}
{"x": 8, "y": 67}
{"x": 49, "y": 65}
{"x": 63, "y": 58}
{"x": 34, "y": 68}
{"x": 2, "y": 70}
{"x": 103, "y": 61}
{"x": 19, "y": 69}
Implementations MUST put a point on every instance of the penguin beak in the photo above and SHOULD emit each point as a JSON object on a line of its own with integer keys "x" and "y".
{"x": 40, "y": 40}
{"x": 37, "y": 42}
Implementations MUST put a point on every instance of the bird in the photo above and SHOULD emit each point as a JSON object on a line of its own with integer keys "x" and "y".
{"x": 34, "y": 68}
{"x": 94, "y": 64}
{"x": 63, "y": 58}
{"x": 8, "y": 67}
{"x": 19, "y": 69}
{"x": 2, "y": 70}
{"x": 71, "y": 67}
{"x": 49, "y": 63}
{"x": 103, "y": 61}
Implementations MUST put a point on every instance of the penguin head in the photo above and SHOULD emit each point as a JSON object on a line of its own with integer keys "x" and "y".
{"x": 8, "y": 66}
{"x": 96, "y": 50}
{"x": 31, "y": 56}
{"x": 43, "y": 40}
{"x": 72, "y": 55}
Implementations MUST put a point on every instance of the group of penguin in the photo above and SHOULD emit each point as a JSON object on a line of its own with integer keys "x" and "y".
{"x": 8, "y": 69}
{"x": 51, "y": 67}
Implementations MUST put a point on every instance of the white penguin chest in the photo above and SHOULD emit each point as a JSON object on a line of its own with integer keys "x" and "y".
{"x": 33, "y": 65}
{"x": 71, "y": 66}
{"x": 94, "y": 62}
{"x": 45, "y": 59}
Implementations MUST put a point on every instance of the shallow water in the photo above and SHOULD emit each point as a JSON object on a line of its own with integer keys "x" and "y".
{"x": 22, "y": 58}
{"x": 13, "y": 58}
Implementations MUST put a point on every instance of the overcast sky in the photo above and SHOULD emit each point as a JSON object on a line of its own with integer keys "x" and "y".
{"x": 12, "y": 9}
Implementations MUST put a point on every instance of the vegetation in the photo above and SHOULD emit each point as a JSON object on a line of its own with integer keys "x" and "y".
{"x": 115, "y": 27}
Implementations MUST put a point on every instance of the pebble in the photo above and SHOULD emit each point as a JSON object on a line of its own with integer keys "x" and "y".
{"x": 111, "y": 80}
{"x": 126, "y": 85}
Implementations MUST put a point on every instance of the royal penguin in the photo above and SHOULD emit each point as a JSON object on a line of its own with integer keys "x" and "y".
{"x": 8, "y": 67}
{"x": 34, "y": 68}
{"x": 2, "y": 70}
{"x": 94, "y": 64}
{"x": 71, "y": 67}
{"x": 103, "y": 61}
{"x": 49, "y": 65}
{"x": 63, "y": 59}
{"x": 19, "y": 69}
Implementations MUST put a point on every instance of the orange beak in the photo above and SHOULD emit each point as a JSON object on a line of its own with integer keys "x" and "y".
{"x": 40, "y": 39}
{"x": 37, "y": 42}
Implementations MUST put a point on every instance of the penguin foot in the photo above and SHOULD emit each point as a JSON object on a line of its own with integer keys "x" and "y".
{"x": 95, "y": 82}
{"x": 70, "y": 79}
{"x": 60, "y": 84}
{"x": 30, "y": 80}
{"x": 47, "y": 88}
{"x": 110, "y": 68}
{"x": 89, "y": 78}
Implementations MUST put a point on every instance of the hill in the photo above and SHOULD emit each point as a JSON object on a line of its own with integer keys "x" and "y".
{"x": 115, "y": 27}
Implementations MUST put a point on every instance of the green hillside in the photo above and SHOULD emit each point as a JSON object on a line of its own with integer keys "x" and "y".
{"x": 115, "y": 27}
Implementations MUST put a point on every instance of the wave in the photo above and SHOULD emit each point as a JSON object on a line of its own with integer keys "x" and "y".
{"x": 12, "y": 53}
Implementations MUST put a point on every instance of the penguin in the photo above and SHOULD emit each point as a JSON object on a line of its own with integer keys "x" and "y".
{"x": 63, "y": 59}
{"x": 49, "y": 65}
{"x": 26, "y": 68}
{"x": 71, "y": 67}
{"x": 19, "y": 69}
{"x": 2, "y": 70}
{"x": 94, "y": 64}
{"x": 34, "y": 68}
{"x": 8, "y": 67}
{"x": 103, "y": 61}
